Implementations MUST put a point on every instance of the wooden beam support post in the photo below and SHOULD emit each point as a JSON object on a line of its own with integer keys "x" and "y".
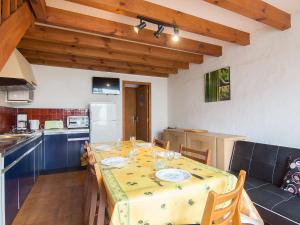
{"x": 12, "y": 30}
{"x": 39, "y": 8}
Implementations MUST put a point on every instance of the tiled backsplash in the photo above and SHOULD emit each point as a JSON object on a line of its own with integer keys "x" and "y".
{"x": 8, "y": 116}
{"x": 51, "y": 114}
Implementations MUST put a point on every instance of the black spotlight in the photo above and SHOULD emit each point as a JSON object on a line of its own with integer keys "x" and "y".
{"x": 139, "y": 27}
{"x": 159, "y": 31}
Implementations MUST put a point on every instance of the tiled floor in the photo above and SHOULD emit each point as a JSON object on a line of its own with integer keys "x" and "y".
{"x": 54, "y": 199}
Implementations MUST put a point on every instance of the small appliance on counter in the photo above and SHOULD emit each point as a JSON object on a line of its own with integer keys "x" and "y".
{"x": 54, "y": 124}
{"x": 34, "y": 124}
{"x": 76, "y": 122}
{"x": 22, "y": 122}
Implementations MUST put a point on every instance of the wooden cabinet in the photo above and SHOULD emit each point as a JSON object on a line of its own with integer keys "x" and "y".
{"x": 221, "y": 145}
{"x": 176, "y": 138}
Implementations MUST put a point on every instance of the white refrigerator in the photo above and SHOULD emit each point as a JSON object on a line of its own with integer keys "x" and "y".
{"x": 103, "y": 122}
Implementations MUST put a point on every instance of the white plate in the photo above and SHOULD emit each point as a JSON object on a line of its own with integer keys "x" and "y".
{"x": 103, "y": 147}
{"x": 173, "y": 175}
{"x": 114, "y": 161}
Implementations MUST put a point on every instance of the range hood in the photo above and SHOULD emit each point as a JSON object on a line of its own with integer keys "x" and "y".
{"x": 17, "y": 74}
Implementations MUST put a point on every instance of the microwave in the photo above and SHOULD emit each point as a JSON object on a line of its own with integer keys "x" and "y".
{"x": 77, "y": 121}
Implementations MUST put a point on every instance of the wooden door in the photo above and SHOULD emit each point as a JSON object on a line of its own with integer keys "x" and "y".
{"x": 142, "y": 112}
{"x": 130, "y": 112}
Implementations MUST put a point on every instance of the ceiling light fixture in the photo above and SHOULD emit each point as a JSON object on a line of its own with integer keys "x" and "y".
{"x": 175, "y": 37}
{"x": 140, "y": 26}
{"x": 160, "y": 29}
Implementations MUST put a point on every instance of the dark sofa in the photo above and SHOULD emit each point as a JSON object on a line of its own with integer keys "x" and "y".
{"x": 266, "y": 166}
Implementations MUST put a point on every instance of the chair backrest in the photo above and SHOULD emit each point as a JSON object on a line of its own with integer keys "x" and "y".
{"x": 223, "y": 209}
{"x": 161, "y": 143}
{"x": 200, "y": 155}
{"x": 96, "y": 214}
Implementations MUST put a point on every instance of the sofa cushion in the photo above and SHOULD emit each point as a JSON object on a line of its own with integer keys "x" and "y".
{"x": 291, "y": 182}
{"x": 289, "y": 209}
{"x": 282, "y": 163}
{"x": 251, "y": 183}
{"x": 241, "y": 156}
{"x": 269, "y": 195}
{"x": 263, "y": 162}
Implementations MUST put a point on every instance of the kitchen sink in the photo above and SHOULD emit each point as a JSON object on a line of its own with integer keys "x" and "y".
{"x": 12, "y": 138}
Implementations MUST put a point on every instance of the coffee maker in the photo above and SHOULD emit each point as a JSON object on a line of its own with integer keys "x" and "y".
{"x": 22, "y": 122}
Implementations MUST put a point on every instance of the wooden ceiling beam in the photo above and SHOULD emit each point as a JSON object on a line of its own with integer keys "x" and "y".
{"x": 95, "y": 62}
{"x": 12, "y": 30}
{"x": 39, "y": 8}
{"x": 96, "y": 68}
{"x": 98, "y": 53}
{"x": 108, "y": 28}
{"x": 187, "y": 22}
{"x": 5, "y": 9}
{"x": 60, "y": 36}
{"x": 257, "y": 10}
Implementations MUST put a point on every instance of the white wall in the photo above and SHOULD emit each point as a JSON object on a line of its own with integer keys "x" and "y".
{"x": 72, "y": 88}
{"x": 265, "y": 90}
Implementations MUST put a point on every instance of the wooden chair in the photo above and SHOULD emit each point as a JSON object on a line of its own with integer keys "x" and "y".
{"x": 202, "y": 156}
{"x": 161, "y": 143}
{"x": 230, "y": 214}
{"x": 94, "y": 211}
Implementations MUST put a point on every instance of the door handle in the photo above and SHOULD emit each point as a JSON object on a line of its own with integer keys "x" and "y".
{"x": 79, "y": 139}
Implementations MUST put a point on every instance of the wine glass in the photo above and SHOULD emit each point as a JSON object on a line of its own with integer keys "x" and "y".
{"x": 132, "y": 140}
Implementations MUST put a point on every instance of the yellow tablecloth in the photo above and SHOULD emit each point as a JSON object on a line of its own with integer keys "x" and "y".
{"x": 138, "y": 198}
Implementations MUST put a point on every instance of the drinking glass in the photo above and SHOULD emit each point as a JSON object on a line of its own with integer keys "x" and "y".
{"x": 170, "y": 155}
{"x": 160, "y": 164}
{"x": 132, "y": 140}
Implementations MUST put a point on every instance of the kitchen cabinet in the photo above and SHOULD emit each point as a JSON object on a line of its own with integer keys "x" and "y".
{"x": 11, "y": 194}
{"x": 26, "y": 175}
{"x": 56, "y": 150}
{"x": 75, "y": 148}
{"x": 20, "y": 172}
{"x": 63, "y": 150}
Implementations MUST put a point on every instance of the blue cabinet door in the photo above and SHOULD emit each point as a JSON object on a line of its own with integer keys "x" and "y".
{"x": 56, "y": 146}
{"x": 26, "y": 176}
{"x": 11, "y": 194}
{"x": 75, "y": 148}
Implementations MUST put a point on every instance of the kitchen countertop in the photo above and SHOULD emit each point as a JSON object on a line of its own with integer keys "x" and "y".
{"x": 66, "y": 131}
{"x": 6, "y": 147}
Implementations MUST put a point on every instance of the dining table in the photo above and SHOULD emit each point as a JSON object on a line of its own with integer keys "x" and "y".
{"x": 135, "y": 196}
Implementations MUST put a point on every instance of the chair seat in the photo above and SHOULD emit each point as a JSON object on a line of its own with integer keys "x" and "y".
{"x": 289, "y": 209}
{"x": 269, "y": 195}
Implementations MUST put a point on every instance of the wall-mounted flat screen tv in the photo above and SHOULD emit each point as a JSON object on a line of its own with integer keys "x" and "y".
{"x": 106, "y": 85}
